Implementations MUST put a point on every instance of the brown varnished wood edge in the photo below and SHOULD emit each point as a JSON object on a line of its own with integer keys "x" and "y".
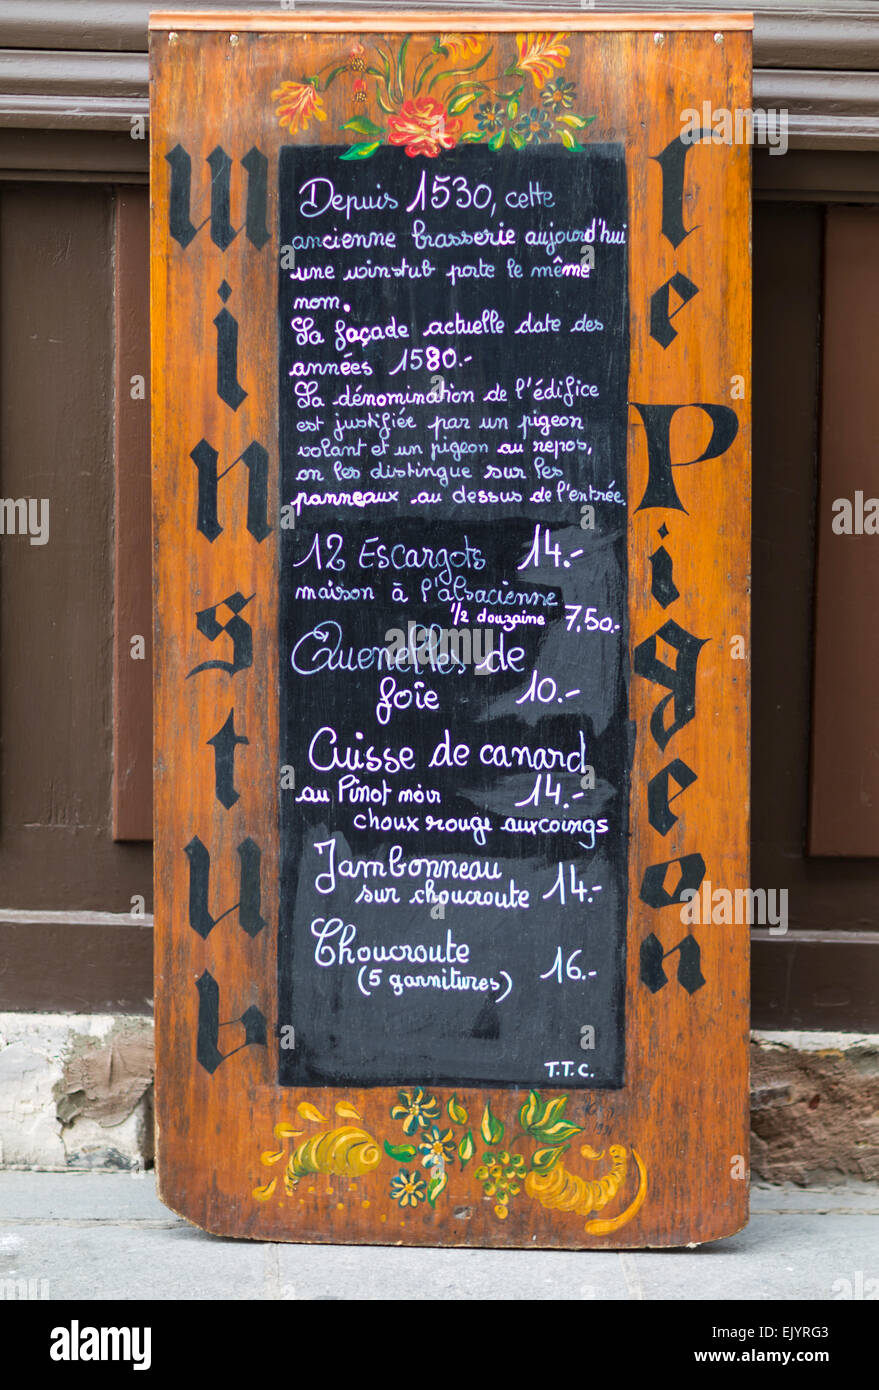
{"x": 213, "y": 1219}
{"x": 368, "y": 22}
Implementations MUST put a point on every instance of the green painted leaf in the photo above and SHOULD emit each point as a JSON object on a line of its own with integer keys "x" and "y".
{"x": 401, "y": 64}
{"x": 436, "y": 1185}
{"x": 471, "y": 137}
{"x": 331, "y": 78}
{"x": 557, "y": 1133}
{"x": 456, "y": 1112}
{"x": 460, "y": 103}
{"x": 362, "y": 151}
{"x": 531, "y": 1113}
{"x": 554, "y": 1110}
{"x": 517, "y": 140}
{"x": 423, "y": 74}
{"x": 403, "y": 1153}
{"x": 544, "y": 1159}
{"x": 577, "y": 121}
{"x": 497, "y": 141}
{"x": 466, "y": 1148}
{"x": 362, "y": 125}
{"x": 512, "y": 108}
{"x": 461, "y": 72}
{"x": 492, "y": 1129}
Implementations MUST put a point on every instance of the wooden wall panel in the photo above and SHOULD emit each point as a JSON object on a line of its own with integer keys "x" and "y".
{"x": 684, "y": 1106}
{"x": 815, "y": 979}
{"x": 845, "y": 720}
{"x": 132, "y": 610}
{"x": 828, "y": 893}
{"x": 56, "y": 599}
{"x": 80, "y": 967}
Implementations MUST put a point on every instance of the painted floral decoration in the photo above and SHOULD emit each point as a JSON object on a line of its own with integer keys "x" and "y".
{"x": 541, "y": 54}
{"x": 424, "y": 126}
{"x": 524, "y": 1157}
{"x": 408, "y": 1188}
{"x": 449, "y": 96}
{"x": 459, "y": 45}
{"x": 297, "y": 103}
{"x": 416, "y": 1109}
{"x": 437, "y": 1148}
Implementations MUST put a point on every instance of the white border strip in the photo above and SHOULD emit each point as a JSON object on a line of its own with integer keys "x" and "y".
{"x": 77, "y": 919}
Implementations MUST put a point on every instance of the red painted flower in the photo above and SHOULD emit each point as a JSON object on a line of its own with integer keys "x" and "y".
{"x": 424, "y": 126}
{"x": 539, "y": 54}
{"x": 356, "y": 60}
{"x": 297, "y": 103}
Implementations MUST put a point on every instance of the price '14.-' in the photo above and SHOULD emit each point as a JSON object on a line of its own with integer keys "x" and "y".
{"x": 550, "y": 550}
{"x": 571, "y": 884}
{"x": 546, "y": 786}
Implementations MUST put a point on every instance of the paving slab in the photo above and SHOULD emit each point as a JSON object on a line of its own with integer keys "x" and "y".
{"x": 113, "y": 1197}
{"x": 106, "y": 1236}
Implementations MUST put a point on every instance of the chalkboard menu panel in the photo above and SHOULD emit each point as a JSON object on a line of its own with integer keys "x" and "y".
{"x": 452, "y": 386}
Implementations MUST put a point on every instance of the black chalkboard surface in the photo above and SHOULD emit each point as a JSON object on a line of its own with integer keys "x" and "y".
{"x": 453, "y": 617}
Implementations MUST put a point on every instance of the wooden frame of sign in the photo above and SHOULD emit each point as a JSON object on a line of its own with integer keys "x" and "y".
{"x": 451, "y": 451}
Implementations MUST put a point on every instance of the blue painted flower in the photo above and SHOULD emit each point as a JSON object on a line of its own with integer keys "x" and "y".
{"x": 534, "y": 126}
{"x": 416, "y": 1109}
{"x": 408, "y": 1189}
{"x": 437, "y": 1147}
{"x": 491, "y": 117}
{"x": 558, "y": 96}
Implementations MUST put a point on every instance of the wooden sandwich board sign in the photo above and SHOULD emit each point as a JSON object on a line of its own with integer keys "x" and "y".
{"x": 451, "y": 372}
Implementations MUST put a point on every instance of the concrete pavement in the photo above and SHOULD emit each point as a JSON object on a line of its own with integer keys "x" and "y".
{"x": 106, "y": 1236}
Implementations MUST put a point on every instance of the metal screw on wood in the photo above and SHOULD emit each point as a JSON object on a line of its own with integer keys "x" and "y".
{"x": 659, "y": 38}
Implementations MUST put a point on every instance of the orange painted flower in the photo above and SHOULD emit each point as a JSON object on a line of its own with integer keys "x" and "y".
{"x": 297, "y": 103}
{"x": 356, "y": 60}
{"x": 539, "y": 54}
{"x": 423, "y": 125}
{"x": 463, "y": 45}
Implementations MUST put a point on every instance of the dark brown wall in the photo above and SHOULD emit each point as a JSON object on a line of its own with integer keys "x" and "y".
{"x": 57, "y": 322}
{"x": 56, "y": 626}
{"x": 787, "y": 289}
{"x": 56, "y": 600}
{"x": 825, "y": 971}
{"x": 845, "y": 716}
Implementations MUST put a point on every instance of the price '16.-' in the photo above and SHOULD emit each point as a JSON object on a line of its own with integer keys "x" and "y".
{"x": 569, "y": 968}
